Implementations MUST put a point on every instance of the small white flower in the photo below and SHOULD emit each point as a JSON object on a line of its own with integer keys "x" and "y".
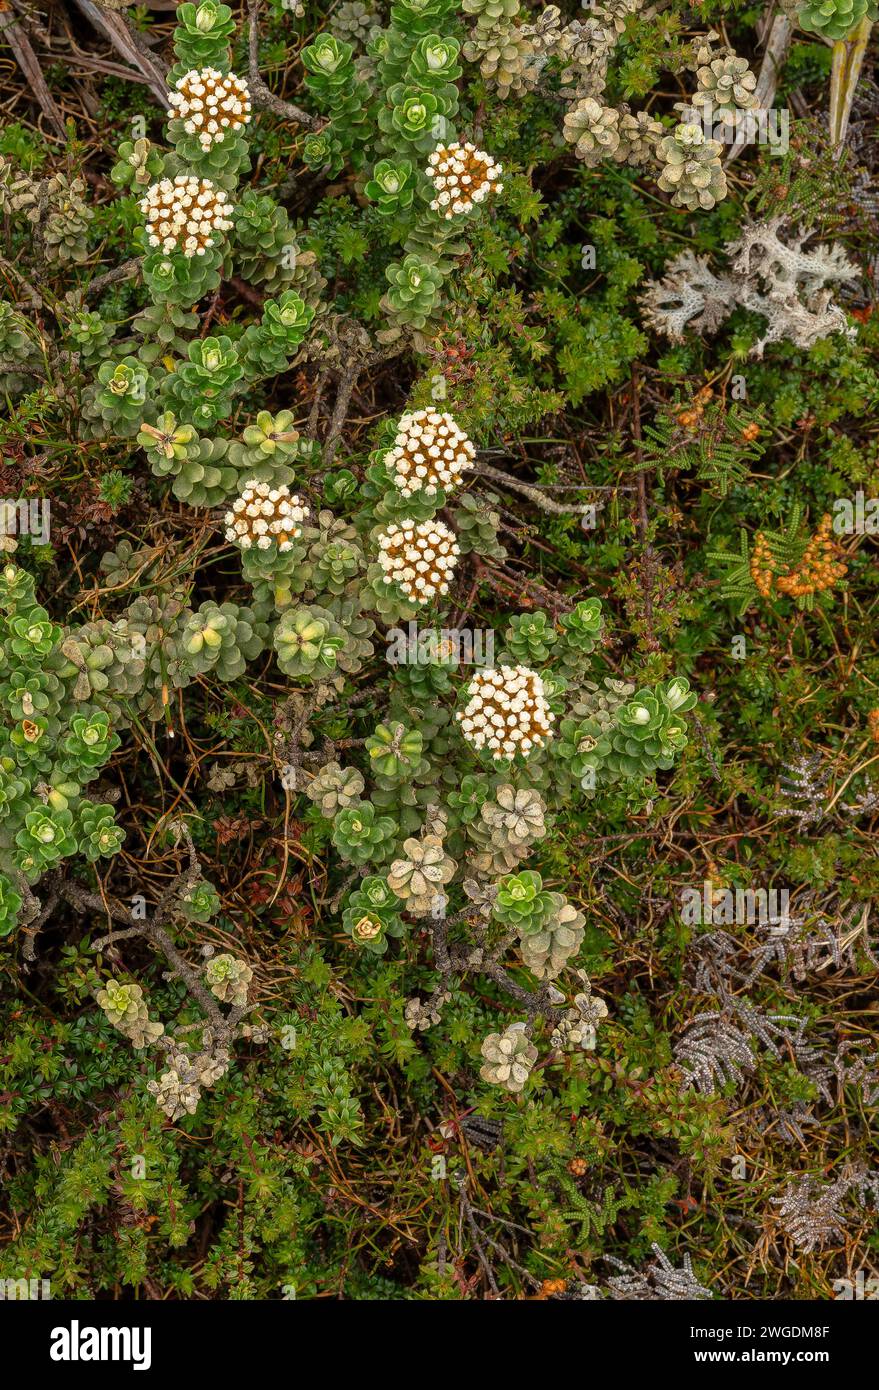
{"x": 171, "y": 221}
{"x": 246, "y": 523}
{"x": 462, "y": 176}
{"x": 506, "y": 712}
{"x": 200, "y": 96}
{"x": 418, "y": 558}
{"x": 430, "y": 452}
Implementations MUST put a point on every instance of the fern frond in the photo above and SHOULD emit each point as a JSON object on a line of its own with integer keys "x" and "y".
{"x": 717, "y": 440}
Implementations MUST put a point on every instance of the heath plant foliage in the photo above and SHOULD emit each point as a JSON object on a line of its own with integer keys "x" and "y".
{"x": 444, "y": 406}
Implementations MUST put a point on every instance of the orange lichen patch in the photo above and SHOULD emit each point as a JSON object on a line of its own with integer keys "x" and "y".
{"x": 548, "y": 1289}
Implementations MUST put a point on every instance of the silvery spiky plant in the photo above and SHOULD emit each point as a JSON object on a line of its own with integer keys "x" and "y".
{"x": 659, "y": 1281}
{"x": 812, "y": 1214}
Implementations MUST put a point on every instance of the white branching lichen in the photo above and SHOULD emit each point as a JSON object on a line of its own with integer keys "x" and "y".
{"x": 789, "y": 285}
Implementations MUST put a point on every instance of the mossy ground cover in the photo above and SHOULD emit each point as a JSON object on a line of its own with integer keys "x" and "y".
{"x": 304, "y": 992}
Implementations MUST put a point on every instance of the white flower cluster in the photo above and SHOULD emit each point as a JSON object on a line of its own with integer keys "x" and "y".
{"x": 183, "y": 213}
{"x": 210, "y": 104}
{"x": 263, "y": 516}
{"x": 506, "y": 712}
{"x": 462, "y": 176}
{"x": 431, "y": 451}
{"x": 419, "y": 557}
